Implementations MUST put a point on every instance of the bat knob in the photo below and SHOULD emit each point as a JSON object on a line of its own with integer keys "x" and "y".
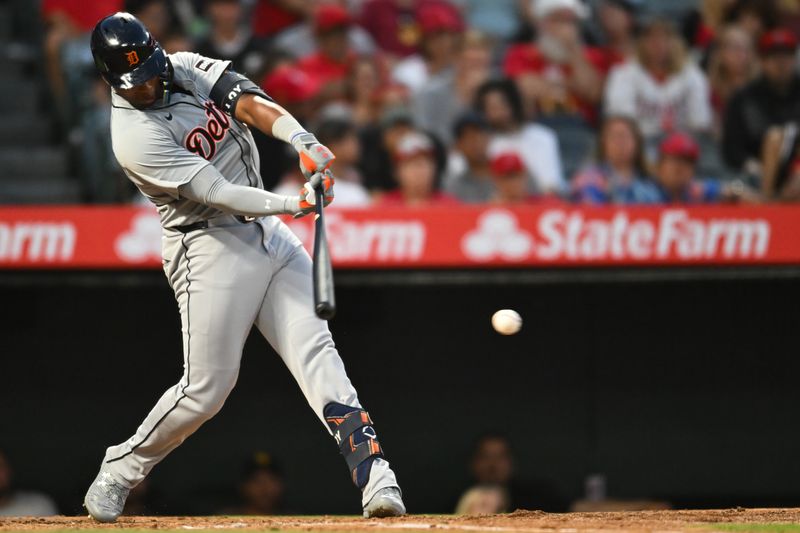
{"x": 325, "y": 310}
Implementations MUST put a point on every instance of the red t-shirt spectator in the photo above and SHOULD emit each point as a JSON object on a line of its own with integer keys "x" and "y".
{"x": 395, "y": 29}
{"x": 324, "y": 69}
{"x": 84, "y": 15}
{"x": 527, "y": 59}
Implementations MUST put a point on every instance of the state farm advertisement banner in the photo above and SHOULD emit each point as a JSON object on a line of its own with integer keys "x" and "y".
{"x": 455, "y": 237}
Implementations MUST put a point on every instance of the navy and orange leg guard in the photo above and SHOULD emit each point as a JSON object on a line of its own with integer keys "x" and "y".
{"x": 357, "y": 440}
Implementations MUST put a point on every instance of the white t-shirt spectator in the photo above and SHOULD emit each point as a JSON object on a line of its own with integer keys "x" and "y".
{"x": 538, "y": 147}
{"x": 681, "y": 102}
{"x": 411, "y": 72}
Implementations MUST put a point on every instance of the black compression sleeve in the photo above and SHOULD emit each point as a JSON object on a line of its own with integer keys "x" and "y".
{"x": 230, "y": 87}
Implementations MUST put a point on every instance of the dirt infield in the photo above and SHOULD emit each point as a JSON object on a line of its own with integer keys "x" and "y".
{"x": 762, "y": 520}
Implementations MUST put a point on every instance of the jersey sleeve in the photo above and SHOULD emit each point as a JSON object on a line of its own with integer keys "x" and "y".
{"x": 200, "y": 70}
{"x": 155, "y": 162}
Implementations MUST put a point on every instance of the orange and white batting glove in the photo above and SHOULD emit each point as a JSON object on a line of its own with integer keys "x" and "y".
{"x": 308, "y": 197}
{"x": 314, "y": 157}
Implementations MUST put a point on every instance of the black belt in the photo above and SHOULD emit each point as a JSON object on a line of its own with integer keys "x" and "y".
{"x": 203, "y": 224}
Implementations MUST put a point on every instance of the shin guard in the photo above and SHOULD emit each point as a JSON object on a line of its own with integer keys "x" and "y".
{"x": 357, "y": 440}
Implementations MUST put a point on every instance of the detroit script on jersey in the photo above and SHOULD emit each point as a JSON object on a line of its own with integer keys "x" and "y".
{"x": 166, "y": 145}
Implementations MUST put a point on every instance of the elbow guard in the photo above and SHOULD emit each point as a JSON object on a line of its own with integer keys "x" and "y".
{"x": 230, "y": 87}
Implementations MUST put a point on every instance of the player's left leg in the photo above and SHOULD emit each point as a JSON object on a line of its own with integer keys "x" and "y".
{"x": 304, "y": 343}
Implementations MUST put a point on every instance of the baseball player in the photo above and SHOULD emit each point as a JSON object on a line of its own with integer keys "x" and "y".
{"x": 180, "y": 130}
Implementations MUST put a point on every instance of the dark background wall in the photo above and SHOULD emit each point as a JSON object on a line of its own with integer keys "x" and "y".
{"x": 680, "y": 390}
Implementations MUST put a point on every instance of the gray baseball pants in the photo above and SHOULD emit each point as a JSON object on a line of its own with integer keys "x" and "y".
{"x": 227, "y": 278}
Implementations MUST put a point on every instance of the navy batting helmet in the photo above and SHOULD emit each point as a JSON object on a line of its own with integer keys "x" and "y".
{"x": 124, "y": 51}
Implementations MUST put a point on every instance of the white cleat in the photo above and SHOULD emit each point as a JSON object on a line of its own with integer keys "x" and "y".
{"x": 386, "y": 502}
{"x": 105, "y": 498}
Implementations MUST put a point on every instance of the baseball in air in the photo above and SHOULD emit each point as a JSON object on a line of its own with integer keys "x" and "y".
{"x": 506, "y": 322}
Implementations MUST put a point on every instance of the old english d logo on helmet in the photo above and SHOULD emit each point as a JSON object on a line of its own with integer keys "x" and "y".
{"x": 133, "y": 58}
{"x": 125, "y": 53}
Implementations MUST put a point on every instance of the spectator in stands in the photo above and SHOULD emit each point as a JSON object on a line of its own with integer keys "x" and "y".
{"x": 492, "y": 465}
{"x": 510, "y": 180}
{"x": 229, "y": 38}
{"x": 732, "y": 65}
{"x": 416, "y": 174}
{"x": 261, "y": 488}
{"x": 556, "y": 73}
{"x": 177, "y": 41}
{"x": 661, "y": 87}
{"x": 378, "y": 145}
{"x": 441, "y": 30}
{"x": 365, "y": 83}
{"x": 393, "y": 23}
{"x": 780, "y": 175}
{"x": 618, "y": 174}
{"x": 443, "y": 97}
{"x": 773, "y": 99}
{"x": 617, "y": 26}
{"x": 298, "y": 40}
{"x": 332, "y": 61}
{"x": 754, "y": 16}
{"x": 500, "y": 103}
{"x": 67, "y": 25}
{"x": 15, "y": 502}
{"x": 468, "y": 175}
{"x": 676, "y": 176}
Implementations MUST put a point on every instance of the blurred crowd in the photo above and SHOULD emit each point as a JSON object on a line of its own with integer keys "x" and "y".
{"x": 440, "y": 102}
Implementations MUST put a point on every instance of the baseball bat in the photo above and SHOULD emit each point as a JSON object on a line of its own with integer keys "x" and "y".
{"x": 324, "y": 301}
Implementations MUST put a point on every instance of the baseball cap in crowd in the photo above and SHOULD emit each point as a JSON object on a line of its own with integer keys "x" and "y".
{"x": 260, "y": 461}
{"x": 680, "y": 145}
{"x": 329, "y": 17}
{"x": 506, "y": 164}
{"x": 469, "y": 119}
{"x": 396, "y": 115}
{"x": 413, "y": 144}
{"x": 778, "y": 40}
{"x": 543, "y": 8}
{"x": 435, "y": 18}
{"x": 289, "y": 84}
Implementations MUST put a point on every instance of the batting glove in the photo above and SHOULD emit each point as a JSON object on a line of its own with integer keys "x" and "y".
{"x": 314, "y": 157}
{"x": 308, "y": 197}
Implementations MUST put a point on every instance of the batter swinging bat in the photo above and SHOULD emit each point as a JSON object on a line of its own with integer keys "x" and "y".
{"x": 324, "y": 301}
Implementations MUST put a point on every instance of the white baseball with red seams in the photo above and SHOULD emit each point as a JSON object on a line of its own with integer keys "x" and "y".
{"x": 506, "y": 322}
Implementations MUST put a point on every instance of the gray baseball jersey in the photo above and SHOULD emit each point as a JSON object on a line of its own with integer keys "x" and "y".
{"x": 165, "y": 146}
{"x": 226, "y": 277}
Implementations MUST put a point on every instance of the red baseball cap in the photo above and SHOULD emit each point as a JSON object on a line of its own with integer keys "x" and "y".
{"x": 779, "y": 39}
{"x": 507, "y": 163}
{"x": 328, "y": 17}
{"x": 680, "y": 145}
{"x": 439, "y": 18}
{"x": 289, "y": 84}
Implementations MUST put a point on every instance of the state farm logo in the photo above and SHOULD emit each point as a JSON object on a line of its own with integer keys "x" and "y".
{"x": 142, "y": 241}
{"x": 37, "y": 242}
{"x": 563, "y": 234}
{"x": 369, "y": 240}
{"x": 498, "y": 235}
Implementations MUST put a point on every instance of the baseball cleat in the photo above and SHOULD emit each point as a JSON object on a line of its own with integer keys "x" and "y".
{"x": 105, "y": 498}
{"x": 386, "y": 502}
